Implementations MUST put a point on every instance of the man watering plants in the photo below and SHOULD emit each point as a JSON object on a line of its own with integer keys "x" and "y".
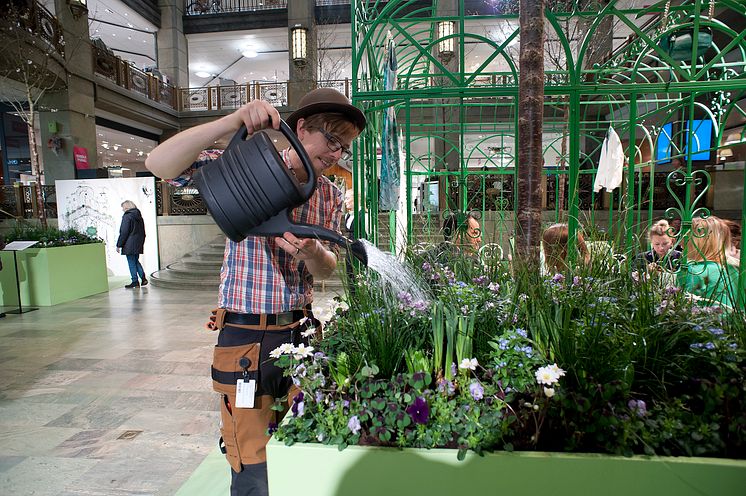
{"x": 266, "y": 283}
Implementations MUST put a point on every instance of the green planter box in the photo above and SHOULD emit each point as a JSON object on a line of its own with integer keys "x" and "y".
{"x": 54, "y": 275}
{"x": 318, "y": 470}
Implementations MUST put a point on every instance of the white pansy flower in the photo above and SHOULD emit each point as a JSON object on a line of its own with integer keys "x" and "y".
{"x": 546, "y": 375}
{"x": 283, "y": 349}
{"x": 557, "y": 371}
{"x": 276, "y": 353}
{"x": 308, "y": 332}
{"x": 302, "y": 351}
{"x": 468, "y": 363}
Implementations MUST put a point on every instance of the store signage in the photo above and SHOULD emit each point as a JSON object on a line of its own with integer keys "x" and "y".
{"x": 80, "y": 155}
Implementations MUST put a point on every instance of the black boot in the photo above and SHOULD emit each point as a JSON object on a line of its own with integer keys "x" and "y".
{"x": 132, "y": 285}
{"x": 144, "y": 282}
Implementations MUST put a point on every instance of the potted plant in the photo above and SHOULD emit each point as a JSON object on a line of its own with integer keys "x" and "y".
{"x": 601, "y": 379}
{"x": 63, "y": 266}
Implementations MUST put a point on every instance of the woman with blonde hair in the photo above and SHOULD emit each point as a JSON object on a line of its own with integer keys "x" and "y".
{"x": 708, "y": 275}
{"x": 554, "y": 242}
{"x": 661, "y": 253}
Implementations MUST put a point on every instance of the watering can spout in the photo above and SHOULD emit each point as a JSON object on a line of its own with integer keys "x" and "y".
{"x": 281, "y": 223}
{"x": 357, "y": 248}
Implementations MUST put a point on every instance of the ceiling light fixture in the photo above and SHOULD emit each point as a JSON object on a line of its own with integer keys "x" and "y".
{"x": 249, "y": 53}
{"x": 202, "y": 74}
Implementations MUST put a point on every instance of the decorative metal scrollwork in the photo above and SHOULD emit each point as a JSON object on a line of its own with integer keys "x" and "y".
{"x": 685, "y": 213}
{"x": 139, "y": 82}
{"x": 47, "y": 28}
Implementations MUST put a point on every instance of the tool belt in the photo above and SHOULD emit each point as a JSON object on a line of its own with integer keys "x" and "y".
{"x": 257, "y": 321}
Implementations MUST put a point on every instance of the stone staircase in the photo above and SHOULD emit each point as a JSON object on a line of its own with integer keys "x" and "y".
{"x": 199, "y": 269}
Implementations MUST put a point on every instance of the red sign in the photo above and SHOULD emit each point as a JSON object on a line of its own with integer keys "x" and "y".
{"x": 80, "y": 155}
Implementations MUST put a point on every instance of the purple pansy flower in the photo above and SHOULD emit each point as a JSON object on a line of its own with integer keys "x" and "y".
{"x": 298, "y": 407}
{"x": 419, "y": 411}
{"x": 638, "y": 406}
{"x": 354, "y": 424}
{"x": 476, "y": 390}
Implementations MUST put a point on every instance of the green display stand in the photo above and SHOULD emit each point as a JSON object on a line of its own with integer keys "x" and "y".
{"x": 318, "y": 470}
{"x": 49, "y": 276}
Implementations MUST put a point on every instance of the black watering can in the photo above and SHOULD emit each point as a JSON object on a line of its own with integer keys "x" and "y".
{"x": 249, "y": 191}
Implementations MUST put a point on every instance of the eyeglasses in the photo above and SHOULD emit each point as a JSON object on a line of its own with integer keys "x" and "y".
{"x": 334, "y": 145}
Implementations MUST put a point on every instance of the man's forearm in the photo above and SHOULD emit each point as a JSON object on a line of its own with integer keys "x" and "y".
{"x": 173, "y": 156}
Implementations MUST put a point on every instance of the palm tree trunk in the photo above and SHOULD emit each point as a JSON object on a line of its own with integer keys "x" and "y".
{"x": 530, "y": 120}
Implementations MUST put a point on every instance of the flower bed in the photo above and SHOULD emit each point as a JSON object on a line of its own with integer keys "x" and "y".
{"x": 595, "y": 361}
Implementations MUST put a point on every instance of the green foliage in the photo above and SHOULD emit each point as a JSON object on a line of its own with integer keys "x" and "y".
{"x": 49, "y": 236}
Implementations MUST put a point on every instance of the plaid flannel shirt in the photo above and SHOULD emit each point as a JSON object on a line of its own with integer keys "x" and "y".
{"x": 257, "y": 275}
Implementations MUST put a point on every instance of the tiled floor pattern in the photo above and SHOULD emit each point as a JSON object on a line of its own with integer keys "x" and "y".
{"x": 109, "y": 395}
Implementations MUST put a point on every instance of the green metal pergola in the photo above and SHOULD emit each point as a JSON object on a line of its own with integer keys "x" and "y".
{"x": 658, "y": 75}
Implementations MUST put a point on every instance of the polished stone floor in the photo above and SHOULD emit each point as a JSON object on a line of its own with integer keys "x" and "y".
{"x": 109, "y": 395}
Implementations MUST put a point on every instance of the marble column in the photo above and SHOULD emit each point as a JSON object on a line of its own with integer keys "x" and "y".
{"x": 302, "y": 76}
{"x": 71, "y": 111}
{"x": 173, "y": 51}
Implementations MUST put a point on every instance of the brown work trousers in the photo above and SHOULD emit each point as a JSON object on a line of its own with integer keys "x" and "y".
{"x": 244, "y": 430}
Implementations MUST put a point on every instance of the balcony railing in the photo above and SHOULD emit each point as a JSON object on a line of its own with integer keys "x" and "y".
{"x": 232, "y": 97}
{"x": 19, "y": 201}
{"x": 203, "y": 7}
{"x": 125, "y": 75}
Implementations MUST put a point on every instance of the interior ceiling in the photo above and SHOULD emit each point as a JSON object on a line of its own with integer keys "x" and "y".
{"x": 117, "y": 148}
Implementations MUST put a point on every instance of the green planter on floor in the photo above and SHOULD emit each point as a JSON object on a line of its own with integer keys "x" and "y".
{"x": 320, "y": 470}
{"x": 55, "y": 275}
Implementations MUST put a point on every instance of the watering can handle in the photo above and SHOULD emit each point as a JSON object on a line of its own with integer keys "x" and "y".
{"x": 304, "y": 158}
{"x": 308, "y": 189}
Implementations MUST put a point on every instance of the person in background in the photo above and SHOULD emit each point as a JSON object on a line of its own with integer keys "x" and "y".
{"x": 462, "y": 235}
{"x": 707, "y": 274}
{"x": 465, "y": 233}
{"x": 554, "y": 241}
{"x": 349, "y": 214}
{"x": 662, "y": 253}
{"x": 131, "y": 243}
{"x": 266, "y": 283}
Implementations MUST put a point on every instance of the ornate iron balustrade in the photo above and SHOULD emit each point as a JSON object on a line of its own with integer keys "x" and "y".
{"x": 116, "y": 70}
{"x": 170, "y": 200}
{"x": 231, "y": 97}
{"x": 19, "y": 201}
{"x": 46, "y": 26}
{"x": 202, "y": 7}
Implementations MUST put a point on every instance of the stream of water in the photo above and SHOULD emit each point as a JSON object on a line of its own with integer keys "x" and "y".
{"x": 394, "y": 273}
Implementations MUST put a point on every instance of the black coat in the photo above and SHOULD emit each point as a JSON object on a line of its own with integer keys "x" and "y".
{"x": 131, "y": 233}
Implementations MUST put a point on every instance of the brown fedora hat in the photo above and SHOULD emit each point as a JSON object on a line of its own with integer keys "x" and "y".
{"x": 323, "y": 100}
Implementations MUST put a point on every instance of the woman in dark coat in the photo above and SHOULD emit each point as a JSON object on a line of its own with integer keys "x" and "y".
{"x": 131, "y": 241}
